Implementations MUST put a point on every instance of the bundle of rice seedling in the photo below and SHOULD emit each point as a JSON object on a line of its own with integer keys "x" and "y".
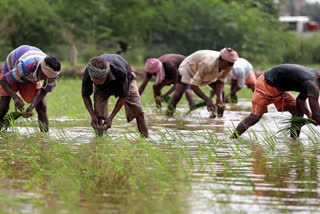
{"x": 8, "y": 120}
{"x": 158, "y": 100}
{"x": 231, "y": 98}
{"x": 294, "y": 124}
{"x": 167, "y": 99}
{"x": 99, "y": 132}
{"x": 196, "y": 106}
{"x": 216, "y": 110}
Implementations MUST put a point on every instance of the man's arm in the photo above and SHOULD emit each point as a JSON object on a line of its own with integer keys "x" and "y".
{"x": 234, "y": 87}
{"x": 302, "y": 104}
{"x": 86, "y": 91}
{"x": 17, "y": 100}
{"x": 157, "y": 91}
{"x": 315, "y": 109}
{"x": 219, "y": 88}
{"x": 40, "y": 96}
{"x": 168, "y": 92}
{"x": 88, "y": 103}
{"x": 208, "y": 101}
{"x": 157, "y": 88}
{"x": 118, "y": 106}
{"x": 143, "y": 85}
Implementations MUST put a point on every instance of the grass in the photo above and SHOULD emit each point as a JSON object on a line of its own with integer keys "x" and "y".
{"x": 129, "y": 176}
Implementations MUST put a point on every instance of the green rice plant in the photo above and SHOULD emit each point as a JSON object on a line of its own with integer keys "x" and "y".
{"x": 199, "y": 104}
{"x": 314, "y": 137}
{"x": 294, "y": 124}
{"x": 127, "y": 175}
{"x": 167, "y": 99}
{"x": 9, "y": 119}
{"x": 231, "y": 98}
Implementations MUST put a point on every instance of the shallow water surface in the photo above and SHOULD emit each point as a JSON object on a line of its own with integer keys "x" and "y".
{"x": 264, "y": 171}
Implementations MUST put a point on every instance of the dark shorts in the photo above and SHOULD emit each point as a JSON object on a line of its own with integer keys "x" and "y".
{"x": 132, "y": 106}
{"x": 179, "y": 81}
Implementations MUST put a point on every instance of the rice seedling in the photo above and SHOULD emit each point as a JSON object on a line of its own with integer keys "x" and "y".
{"x": 294, "y": 124}
{"x": 231, "y": 99}
{"x": 184, "y": 162}
{"x": 196, "y": 106}
{"x": 9, "y": 119}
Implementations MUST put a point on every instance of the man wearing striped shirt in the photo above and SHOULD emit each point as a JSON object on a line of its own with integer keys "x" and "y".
{"x": 22, "y": 72}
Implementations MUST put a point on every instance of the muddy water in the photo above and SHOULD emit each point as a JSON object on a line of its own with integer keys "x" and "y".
{"x": 266, "y": 172}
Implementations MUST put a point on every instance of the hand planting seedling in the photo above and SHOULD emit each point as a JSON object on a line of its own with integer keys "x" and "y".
{"x": 9, "y": 119}
{"x": 218, "y": 109}
{"x": 99, "y": 130}
{"x": 196, "y": 106}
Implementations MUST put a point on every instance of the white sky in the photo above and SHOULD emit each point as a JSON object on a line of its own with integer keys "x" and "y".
{"x": 313, "y": 1}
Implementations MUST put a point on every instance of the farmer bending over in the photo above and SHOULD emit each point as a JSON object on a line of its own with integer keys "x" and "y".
{"x": 273, "y": 87}
{"x": 241, "y": 74}
{"x": 106, "y": 75}
{"x": 165, "y": 69}
{"x": 22, "y": 71}
{"x": 204, "y": 67}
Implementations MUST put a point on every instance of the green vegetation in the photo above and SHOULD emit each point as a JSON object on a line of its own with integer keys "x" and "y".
{"x": 188, "y": 164}
{"x": 295, "y": 123}
{"x": 69, "y": 170}
{"x": 9, "y": 120}
{"x": 104, "y": 175}
{"x": 150, "y": 28}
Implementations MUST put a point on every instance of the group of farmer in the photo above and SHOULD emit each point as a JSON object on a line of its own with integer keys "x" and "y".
{"x": 110, "y": 75}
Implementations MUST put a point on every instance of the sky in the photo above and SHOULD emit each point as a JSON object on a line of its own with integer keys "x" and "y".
{"x": 312, "y": 1}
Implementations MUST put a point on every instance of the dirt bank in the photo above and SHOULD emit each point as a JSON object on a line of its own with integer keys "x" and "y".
{"x": 77, "y": 71}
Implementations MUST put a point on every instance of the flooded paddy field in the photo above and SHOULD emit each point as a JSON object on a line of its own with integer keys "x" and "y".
{"x": 188, "y": 164}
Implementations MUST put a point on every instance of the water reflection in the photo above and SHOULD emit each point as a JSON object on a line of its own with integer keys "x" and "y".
{"x": 265, "y": 172}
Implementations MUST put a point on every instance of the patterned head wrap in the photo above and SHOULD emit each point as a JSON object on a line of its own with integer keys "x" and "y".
{"x": 95, "y": 72}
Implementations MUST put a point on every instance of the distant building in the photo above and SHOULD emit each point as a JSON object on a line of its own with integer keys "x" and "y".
{"x": 297, "y": 23}
{"x": 290, "y": 13}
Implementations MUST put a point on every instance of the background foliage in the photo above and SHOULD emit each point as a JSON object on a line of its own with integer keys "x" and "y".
{"x": 154, "y": 27}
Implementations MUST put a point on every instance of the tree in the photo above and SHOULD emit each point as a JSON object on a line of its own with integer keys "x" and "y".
{"x": 27, "y": 22}
{"x": 312, "y": 10}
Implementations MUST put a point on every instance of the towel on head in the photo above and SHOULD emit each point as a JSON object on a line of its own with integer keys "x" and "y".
{"x": 48, "y": 71}
{"x": 229, "y": 55}
{"x": 154, "y": 66}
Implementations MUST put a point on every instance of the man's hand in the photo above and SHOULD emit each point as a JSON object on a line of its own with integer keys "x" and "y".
{"x": 18, "y": 102}
{"x": 158, "y": 100}
{"x": 107, "y": 124}
{"x": 94, "y": 121}
{"x": 27, "y": 114}
{"x": 220, "y": 110}
{"x": 210, "y": 106}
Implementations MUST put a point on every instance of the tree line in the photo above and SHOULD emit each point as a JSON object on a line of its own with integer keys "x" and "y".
{"x": 149, "y": 28}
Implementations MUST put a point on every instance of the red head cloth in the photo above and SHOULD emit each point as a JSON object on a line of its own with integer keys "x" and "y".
{"x": 229, "y": 55}
{"x": 154, "y": 66}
